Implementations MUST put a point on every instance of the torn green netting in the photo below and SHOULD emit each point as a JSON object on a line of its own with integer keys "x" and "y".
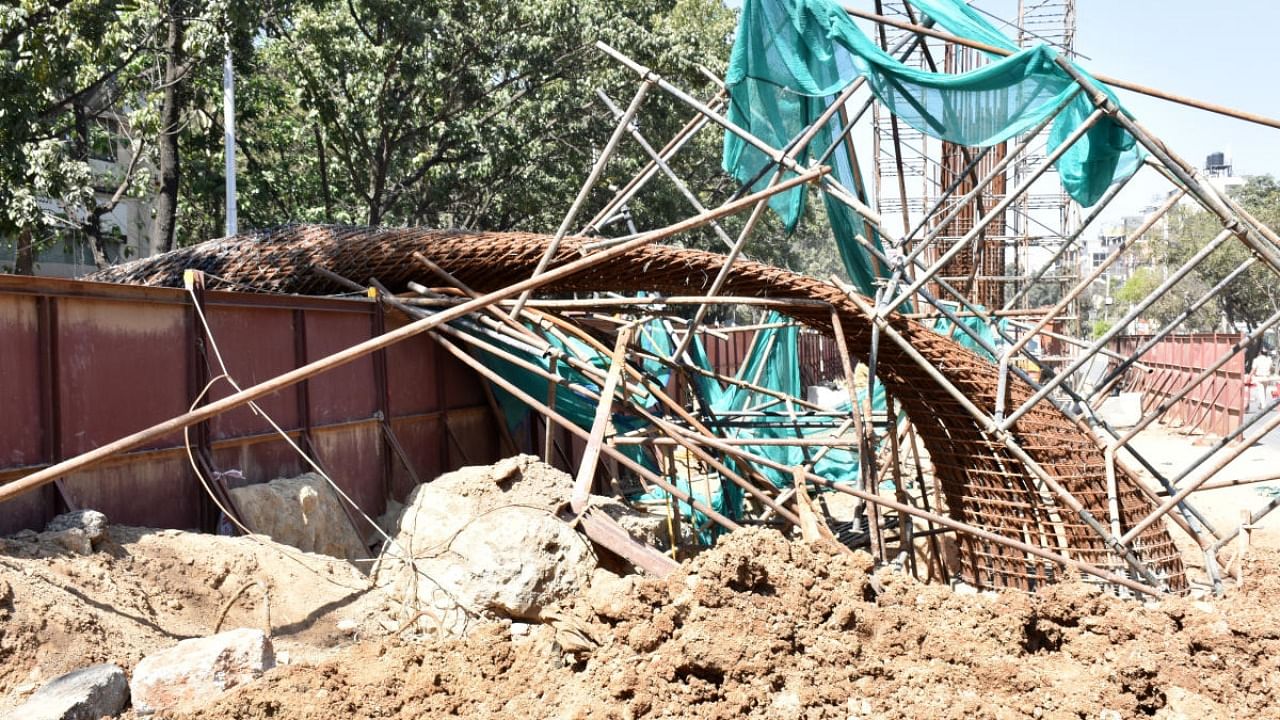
{"x": 791, "y": 58}
{"x": 772, "y": 362}
{"x": 978, "y": 326}
{"x": 570, "y": 401}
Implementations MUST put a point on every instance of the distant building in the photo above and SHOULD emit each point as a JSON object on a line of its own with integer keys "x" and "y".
{"x": 1217, "y": 170}
{"x": 126, "y": 229}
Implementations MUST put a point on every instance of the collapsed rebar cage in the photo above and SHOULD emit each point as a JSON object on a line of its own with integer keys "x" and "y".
{"x": 982, "y": 198}
{"x": 989, "y": 434}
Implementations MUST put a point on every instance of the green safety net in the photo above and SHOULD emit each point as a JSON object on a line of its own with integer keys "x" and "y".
{"x": 977, "y": 326}
{"x": 771, "y": 362}
{"x": 791, "y": 58}
{"x": 569, "y": 402}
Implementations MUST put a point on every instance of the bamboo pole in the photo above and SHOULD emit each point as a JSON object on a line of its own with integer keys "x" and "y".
{"x": 597, "y": 169}
{"x": 637, "y": 183}
{"x": 962, "y": 527}
{"x": 604, "y": 410}
{"x": 1010, "y": 443}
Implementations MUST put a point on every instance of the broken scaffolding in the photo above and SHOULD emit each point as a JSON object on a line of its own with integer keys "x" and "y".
{"x": 1024, "y": 477}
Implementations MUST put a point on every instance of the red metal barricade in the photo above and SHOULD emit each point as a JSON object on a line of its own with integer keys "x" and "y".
{"x": 1217, "y": 405}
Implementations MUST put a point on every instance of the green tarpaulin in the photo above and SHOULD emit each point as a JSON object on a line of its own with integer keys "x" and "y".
{"x": 791, "y": 57}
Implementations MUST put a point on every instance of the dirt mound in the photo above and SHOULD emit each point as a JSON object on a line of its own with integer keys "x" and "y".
{"x": 760, "y": 627}
{"x": 143, "y": 590}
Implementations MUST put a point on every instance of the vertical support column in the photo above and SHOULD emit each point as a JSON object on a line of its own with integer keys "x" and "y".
{"x": 304, "y": 387}
{"x": 50, "y": 399}
{"x": 378, "y": 320}
{"x": 199, "y": 376}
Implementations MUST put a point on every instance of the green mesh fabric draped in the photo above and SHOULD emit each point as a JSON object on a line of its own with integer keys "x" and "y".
{"x": 792, "y": 57}
{"x": 978, "y": 326}
{"x": 772, "y": 362}
{"x": 574, "y": 406}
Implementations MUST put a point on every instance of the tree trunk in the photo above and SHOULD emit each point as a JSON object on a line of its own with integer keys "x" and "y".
{"x": 375, "y": 196}
{"x": 324, "y": 174}
{"x": 92, "y": 225}
{"x": 170, "y": 122}
{"x": 24, "y": 259}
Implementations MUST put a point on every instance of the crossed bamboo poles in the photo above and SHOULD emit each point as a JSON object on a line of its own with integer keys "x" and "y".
{"x": 907, "y": 280}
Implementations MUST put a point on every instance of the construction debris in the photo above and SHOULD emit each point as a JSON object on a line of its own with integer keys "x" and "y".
{"x": 302, "y": 511}
{"x": 961, "y": 526}
{"x": 195, "y": 672}
{"x": 87, "y": 694}
{"x": 760, "y": 627}
{"x": 486, "y": 541}
{"x": 145, "y": 589}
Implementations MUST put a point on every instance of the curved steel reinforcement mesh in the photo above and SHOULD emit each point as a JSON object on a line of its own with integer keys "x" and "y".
{"x": 983, "y": 483}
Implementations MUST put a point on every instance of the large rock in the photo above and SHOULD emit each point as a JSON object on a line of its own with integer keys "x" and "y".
{"x": 194, "y": 672}
{"x": 302, "y": 511}
{"x": 79, "y": 531}
{"x": 86, "y": 694}
{"x": 486, "y": 540}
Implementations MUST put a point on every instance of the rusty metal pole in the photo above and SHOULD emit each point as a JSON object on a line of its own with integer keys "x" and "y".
{"x": 1010, "y": 443}
{"x": 359, "y": 350}
{"x": 604, "y": 411}
{"x": 1115, "y": 82}
{"x": 597, "y": 169}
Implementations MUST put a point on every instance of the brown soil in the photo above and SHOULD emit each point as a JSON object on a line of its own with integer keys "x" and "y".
{"x": 144, "y": 590}
{"x": 760, "y": 627}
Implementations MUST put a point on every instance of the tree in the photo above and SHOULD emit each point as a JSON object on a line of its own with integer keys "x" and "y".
{"x": 469, "y": 113}
{"x": 59, "y": 62}
{"x": 1248, "y": 299}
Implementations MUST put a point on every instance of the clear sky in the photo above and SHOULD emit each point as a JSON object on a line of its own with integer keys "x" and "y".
{"x": 1226, "y": 52}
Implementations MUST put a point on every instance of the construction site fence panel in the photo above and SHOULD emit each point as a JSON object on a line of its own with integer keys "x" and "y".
{"x": 1217, "y": 406}
{"x": 82, "y": 364}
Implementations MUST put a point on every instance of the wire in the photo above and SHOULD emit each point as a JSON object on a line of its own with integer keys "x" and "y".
{"x": 403, "y": 556}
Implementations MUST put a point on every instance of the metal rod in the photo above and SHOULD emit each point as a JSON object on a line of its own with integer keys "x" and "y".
{"x": 1086, "y": 223}
{"x": 778, "y": 156}
{"x": 959, "y": 526}
{"x": 1253, "y": 479}
{"x": 656, "y": 157}
{"x": 1002, "y": 436}
{"x": 637, "y": 183}
{"x": 1114, "y": 82}
{"x": 1151, "y": 342}
{"x": 597, "y": 169}
{"x": 1213, "y": 470}
{"x": 1120, "y": 325}
{"x": 1263, "y": 244}
{"x": 961, "y": 244}
{"x": 361, "y": 349}
{"x": 604, "y": 411}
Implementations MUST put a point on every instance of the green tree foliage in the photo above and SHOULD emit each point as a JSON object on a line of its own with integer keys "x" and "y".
{"x": 465, "y": 113}
{"x": 1248, "y": 299}
{"x": 60, "y": 61}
